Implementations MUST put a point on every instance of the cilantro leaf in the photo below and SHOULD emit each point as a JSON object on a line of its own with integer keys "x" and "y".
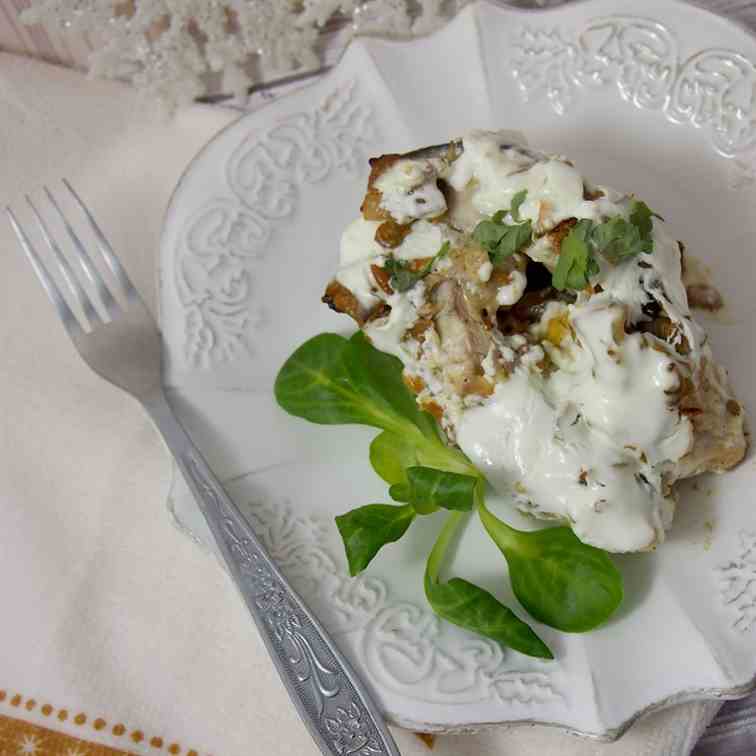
{"x": 403, "y": 277}
{"x": 575, "y": 261}
{"x": 488, "y": 233}
{"x": 513, "y": 240}
{"x": 617, "y": 239}
{"x": 501, "y": 239}
{"x": 517, "y": 200}
{"x": 640, "y": 216}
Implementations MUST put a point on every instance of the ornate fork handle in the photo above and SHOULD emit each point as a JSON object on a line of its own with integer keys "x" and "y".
{"x": 336, "y": 707}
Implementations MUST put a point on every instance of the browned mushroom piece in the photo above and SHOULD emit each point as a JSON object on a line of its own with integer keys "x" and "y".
{"x": 704, "y": 297}
{"x": 701, "y": 291}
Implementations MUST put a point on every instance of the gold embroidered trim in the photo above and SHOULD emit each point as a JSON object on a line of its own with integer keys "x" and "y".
{"x": 20, "y": 737}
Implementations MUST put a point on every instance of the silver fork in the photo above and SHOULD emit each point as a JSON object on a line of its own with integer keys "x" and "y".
{"x": 118, "y": 338}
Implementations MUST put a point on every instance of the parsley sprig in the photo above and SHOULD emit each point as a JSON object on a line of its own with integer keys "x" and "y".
{"x": 403, "y": 277}
{"x": 616, "y": 239}
{"x": 501, "y": 239}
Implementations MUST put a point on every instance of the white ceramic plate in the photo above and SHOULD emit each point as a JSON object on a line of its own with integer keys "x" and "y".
{"x": 660, "y": 103}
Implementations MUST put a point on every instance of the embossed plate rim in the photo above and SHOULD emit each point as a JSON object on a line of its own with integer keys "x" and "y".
{"x": 690, "y": 695}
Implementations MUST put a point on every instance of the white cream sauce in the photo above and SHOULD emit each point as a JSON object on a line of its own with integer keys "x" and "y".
{"x": 358, "y": 251}
{"x": 409, "y": 190}
{"x": 535, "y": 452}
{"x": 484, "y": 272}
{"x": 501, "y": 170}
{"x": 387, "y": 333}
{"x": 424, "y": 240}
{"x": 510, "y": 293}
{"x": 590, "y": 443}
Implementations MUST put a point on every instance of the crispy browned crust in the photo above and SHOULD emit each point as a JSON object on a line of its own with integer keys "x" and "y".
{"x": 413, "y": 382}
{"x": 381, "y": 310}
{"x": 379, "y": 165}
{"x": 433, "y": 408}
{"x": 557, "y": 234}
{"x": 382, "y": 278}
{"x": 341, "y": 300}
{"x": 371, "y": 207}
{"x": 418, "y": 330}
{"x": 391, "y": 234}
{"x": 719, "y": 441}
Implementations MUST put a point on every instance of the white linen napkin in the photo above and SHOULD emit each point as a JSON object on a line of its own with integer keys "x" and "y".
{"x": 109, "y": 614}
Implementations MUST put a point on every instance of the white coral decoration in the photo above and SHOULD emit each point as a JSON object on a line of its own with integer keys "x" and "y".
{"x": 177, "y": 50}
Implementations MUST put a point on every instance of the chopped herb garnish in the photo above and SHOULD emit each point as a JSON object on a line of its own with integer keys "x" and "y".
{"x": 501, "y": 239}
{"x": 616, "y": 239}
{"x": 640, "y": 216}
{"x": 576, "y": 263}
{"x": 517, "y": 200}
{"x": 513, "y": 240}
{"x": 403, "y": 277}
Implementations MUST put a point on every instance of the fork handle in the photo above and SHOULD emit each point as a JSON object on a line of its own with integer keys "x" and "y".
{"x": 335, "y": 705}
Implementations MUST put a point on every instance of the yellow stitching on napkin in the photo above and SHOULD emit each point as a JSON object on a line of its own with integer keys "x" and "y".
{"x": 18, "y": 736}
{"x": 29, "y": 739}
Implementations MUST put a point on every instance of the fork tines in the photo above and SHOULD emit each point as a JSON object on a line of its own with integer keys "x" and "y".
{"x": 106, "y": 301}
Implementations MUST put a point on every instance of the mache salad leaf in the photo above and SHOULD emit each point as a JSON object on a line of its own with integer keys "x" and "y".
{"x": 559, "y": 580}
{"x": 366, "y": 529}
{"x": 467, "y": 605}
{"x": 429, "y": 490}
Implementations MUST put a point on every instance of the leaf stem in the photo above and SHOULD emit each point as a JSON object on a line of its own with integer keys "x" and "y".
{"x": 438, "y": 552}
{"x": 505, "y": 536}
